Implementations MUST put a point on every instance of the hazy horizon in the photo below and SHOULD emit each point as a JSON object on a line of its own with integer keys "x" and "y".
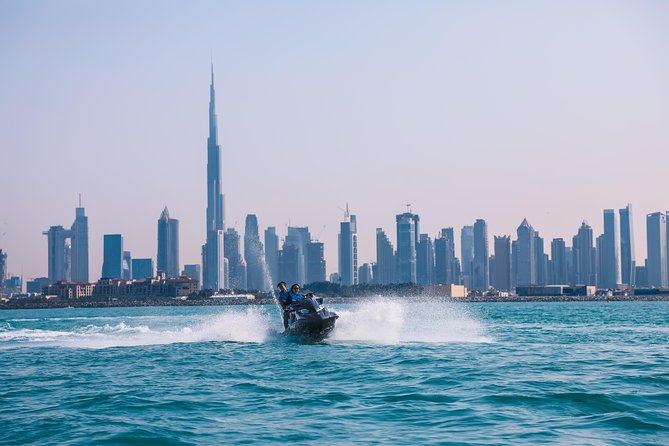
{"x": 501, "y": 111}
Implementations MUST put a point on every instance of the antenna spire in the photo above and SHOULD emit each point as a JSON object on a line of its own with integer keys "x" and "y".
{"x": 211, "y": 59}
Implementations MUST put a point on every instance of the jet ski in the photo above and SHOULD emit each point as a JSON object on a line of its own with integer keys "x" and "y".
{"x": 312, "y": 320}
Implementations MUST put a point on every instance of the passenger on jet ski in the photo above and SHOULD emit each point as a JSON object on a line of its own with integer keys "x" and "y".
{"x": 295, "y": 293}
{"x": 284, "y": 300}
{"x": 295, "y": 296}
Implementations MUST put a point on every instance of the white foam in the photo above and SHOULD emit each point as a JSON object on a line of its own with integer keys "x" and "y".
{"x": 238, "y": 325}
{"x": 393, "y": 321}
{"x": 383, "y": 321}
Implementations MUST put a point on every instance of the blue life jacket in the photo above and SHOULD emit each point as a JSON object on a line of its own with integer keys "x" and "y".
{"x": 284, "y": 297}
{"x": 297, "y": 296}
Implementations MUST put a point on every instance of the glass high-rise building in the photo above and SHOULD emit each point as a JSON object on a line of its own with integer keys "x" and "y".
{"x": 168, "y": 244}
{"x": 366, "y": 274}
{"x": 610, "y": 255}
{"x": 236, "y": 264}
{"x": 583, "y": 253}
{"x": 541, "y": 260}
{"x": 3, "y": 268}
{"x": 407, "y": 240}
{"x": 142, "y": 269}
{"x": 213, "y": 255}
{"x": 526, "y": 268}
{"x": 386, "y": 263}
{"x": 444, "y": 258}
{"x": 254, "y": 256}
{"x": 627, "y": 256}
{"x": 79, "y": 253}
{"x": 481, "y": 261}
{"x": 315, "y": 262}
{"x": 126, "y": 266}
{"x": 502, "y": 279}
{"x": 559, "y": 261}
{"x": 272, "y": 254}
{"x": 425, "y": 260}
{"x": 657, "y": 273}
{"x": 112, "y": 263}
{"x": 300, "y": 238}
{"x": 348, "y": 250}
{"x": 58, "y": 258}
{"x": 467, "y": 254}
{"x": 289, "y": 264}
{"x": 68, "y": 250}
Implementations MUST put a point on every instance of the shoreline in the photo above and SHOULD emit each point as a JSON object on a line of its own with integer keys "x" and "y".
{"x": 20, "y": 304}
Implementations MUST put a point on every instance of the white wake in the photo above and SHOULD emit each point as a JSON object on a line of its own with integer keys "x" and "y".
{"x": 394, "y": 321}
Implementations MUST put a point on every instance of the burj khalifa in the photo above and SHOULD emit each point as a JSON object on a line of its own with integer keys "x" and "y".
{"x": 213, "y": 260}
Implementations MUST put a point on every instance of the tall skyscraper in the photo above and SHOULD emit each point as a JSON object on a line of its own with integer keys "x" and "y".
{"x": 610, "y": 255}
{"x": 254, "y": 256}
{"x": 559, "y": 262}
{"x": 584, "y": 256}
{"x": 467, "y": 254}
{"x": 425, "y": 260}
{"x": 272, "y": 254}
{"x": 213, "y": 263}
{"x": 541, "y": 260}
{"x": 79, "y": 253}
{"x": 315, "y": 262}
{"x": 112, "y": 264}
{"x": 68, "y": 250}
{"x": 526, "y": 268}
{"x": 657, "y": 274}
{"x": 667, "y": 244}
{"x": 289, "y": 263}
{"x": 168, "y": 244}
{"x": 142, "y": 269}
{"x": 386, "y": 264}
{"x": 480, "y": 264}
{"x": 444, "y": 258}
{"x": 300, "y": 238}
{"x": 348, "y": 250}
{"x": 58, "y": 260}
{"x": 502, "y": 280}
{"x": 365, "y": 274}
{"x": 237, "y": 273}
{"x": 407, "y": 240}
{"x": 126, "y": 266}
{"x": 3, "y": 268}
{"x": 627, "y": 256}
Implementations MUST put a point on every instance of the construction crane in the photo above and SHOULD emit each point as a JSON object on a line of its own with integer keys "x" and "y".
{"x": 346, "y": 212}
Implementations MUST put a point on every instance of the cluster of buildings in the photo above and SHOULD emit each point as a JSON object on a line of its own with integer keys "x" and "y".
{"x": 524, "y": 260}
{"x": 605, "y": 262}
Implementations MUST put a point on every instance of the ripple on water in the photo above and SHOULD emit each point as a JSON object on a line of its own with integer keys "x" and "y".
{"x": 435, "y": 373}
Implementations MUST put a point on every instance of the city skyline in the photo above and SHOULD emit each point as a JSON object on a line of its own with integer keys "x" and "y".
{"x": 582, "y": 143}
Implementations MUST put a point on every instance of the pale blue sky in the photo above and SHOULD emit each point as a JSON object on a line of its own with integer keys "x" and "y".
{"x": 498, "y": 110}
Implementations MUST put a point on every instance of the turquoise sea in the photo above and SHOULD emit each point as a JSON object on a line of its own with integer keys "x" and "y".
{"x": 393, "y": 372}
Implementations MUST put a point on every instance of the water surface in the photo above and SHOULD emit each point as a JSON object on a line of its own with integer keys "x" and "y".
{"x": 392, "y": 373}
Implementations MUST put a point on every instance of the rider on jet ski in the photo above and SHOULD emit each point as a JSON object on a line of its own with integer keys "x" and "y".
{"x": 287, "y": 298}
